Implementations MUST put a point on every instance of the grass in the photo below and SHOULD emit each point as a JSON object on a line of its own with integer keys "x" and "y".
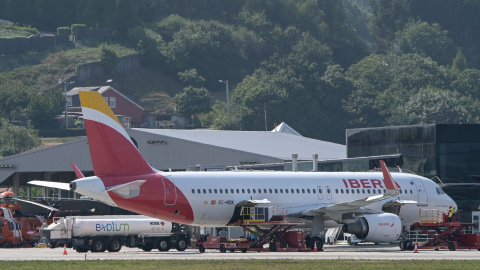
{"x": 242, "y": 264}
{"x": 10, "y": 31}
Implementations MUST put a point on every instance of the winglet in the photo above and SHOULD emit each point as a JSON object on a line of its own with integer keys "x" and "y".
{"x": 388, "y": 180}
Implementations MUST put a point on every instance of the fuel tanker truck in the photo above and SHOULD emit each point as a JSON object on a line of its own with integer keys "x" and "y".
{"x": 100, "y": 233}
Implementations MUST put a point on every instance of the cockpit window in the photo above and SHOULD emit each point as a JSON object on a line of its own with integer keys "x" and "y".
{"x": 439, "y": 190}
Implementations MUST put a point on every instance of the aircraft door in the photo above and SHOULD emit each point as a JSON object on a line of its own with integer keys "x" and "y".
{"x": 329, "y": 192}
{"x": 320, "y": 193}
{"x": 421, "y": 192}
{"x": 170, "y": 192}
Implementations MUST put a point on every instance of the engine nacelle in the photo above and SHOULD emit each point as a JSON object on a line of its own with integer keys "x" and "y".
{"x": 381, "y": 228}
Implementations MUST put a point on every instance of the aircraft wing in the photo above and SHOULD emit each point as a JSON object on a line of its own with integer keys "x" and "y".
{"x": 64, "y": 186}
{"x": 355, "y": 206}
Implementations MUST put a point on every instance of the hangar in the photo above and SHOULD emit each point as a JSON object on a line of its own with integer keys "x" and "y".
{"x": 167, "y": 149}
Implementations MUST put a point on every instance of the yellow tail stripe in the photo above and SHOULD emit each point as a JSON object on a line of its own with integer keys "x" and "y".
{"x": 95, "y": 101}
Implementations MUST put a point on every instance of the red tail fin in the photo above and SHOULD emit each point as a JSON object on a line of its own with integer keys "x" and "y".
{"x": 111, "y": 149}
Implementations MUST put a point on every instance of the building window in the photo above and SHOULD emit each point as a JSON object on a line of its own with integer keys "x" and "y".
{"x": 113, "y": 102}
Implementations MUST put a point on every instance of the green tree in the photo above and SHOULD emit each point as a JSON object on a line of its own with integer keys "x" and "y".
{"x": 383, "y": 82}
{"x": 44, "y": 107}
{"x": 467, "y": 83}
{"x": 433, "y": 106}
{"x": 16, "y": 139}
{"x": 426, "y": 40}
{"x": 459, "y": 63}
{"x": 108, "y": 60}
{"x": 191, "y": 77}
{"x": 192, "y": 101}
{"x": 13, "y": 100}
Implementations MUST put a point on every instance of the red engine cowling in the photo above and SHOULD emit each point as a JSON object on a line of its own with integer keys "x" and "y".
{"x": 381, "y": 228}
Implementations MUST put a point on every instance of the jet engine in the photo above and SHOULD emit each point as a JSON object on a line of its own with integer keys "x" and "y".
{"x": 381, "y": 228}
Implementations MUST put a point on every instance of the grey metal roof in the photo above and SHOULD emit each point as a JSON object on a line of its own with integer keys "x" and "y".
{"x": 274, "y": 144}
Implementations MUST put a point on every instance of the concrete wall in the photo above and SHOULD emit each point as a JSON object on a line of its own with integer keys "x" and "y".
{"x": 93, "y": 70}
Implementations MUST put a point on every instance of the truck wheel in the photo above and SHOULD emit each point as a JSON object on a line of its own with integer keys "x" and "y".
{"x": 222, "y": 248}
{"x": 114, "y": 245}
{"x": 201, "y": 248}
{"x": 82, "y": 249}
{"x": 98, "y": 245}
{"x": 164, "y": 245}
{"x": 181, "y": 244}
{"x": 147, "y": 247}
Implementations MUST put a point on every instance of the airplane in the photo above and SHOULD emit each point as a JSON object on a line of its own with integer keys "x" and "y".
{"x": 375, "y": 206}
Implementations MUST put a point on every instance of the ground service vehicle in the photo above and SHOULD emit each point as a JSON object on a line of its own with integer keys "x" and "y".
{"x": 100, "y": 233}
{"x": 17, "y": 229}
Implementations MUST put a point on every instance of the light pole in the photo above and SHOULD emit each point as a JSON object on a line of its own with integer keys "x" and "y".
{"x": 228, "y": 99}
{"x": 66, "y": 100}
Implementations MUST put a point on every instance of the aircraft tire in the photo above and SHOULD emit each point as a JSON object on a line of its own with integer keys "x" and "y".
{"x": 408, "y": 245}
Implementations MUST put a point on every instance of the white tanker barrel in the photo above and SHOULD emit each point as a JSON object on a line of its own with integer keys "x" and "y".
{"x": 89, "y": 226}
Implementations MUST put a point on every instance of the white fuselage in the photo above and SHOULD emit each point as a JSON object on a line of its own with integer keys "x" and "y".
{"x": 213, "y": 195}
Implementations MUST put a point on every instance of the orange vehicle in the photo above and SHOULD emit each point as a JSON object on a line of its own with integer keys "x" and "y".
{"x": 17, "y": 230}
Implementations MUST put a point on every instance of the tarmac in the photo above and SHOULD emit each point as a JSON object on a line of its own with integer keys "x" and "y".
{"x": 331, "y": 252}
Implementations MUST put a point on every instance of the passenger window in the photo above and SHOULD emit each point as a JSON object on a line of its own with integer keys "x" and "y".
{"x": 204, "y": 191}
{"x": 374, "y": 192}
{"x": 215, "y": 190}
{"x": 231, "y": 191}
{"x": 292, "y": 190}
{"x": 259, "y": 190}
{"x": 308, "y": 190}
{"x": 314, "y": 191}
{"x": 198, "y": 191}
{"x": 265, "y": 191}
{"x": 286, "y": 190}
{"x": 270, "y": 190}
{"x": 248, "y": 190}
{"x": 411, "y": 191}
{"x": 347, "y": 191}
{"x": 193, "y": 191}
{"x": 368, "y": 191}
{"x": 238, "y": 191}
{"x": 276, "y": 191}
{"x": 298, "y": 191}
{"x": 221, "y": 190}
{"x": 336, "y": 190}
{"x": 226, "y": 190}
{"x": 400, "y": 191}
{"x": 341, "y": 190}
{"x": 281, "y": 190}
{"x": 303, "y": 190}
{"x": 210, "y": 191}
{"x": 243, "y": 190}
{"x": 254, "y": 191}
{"x": 363, "y": 191}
